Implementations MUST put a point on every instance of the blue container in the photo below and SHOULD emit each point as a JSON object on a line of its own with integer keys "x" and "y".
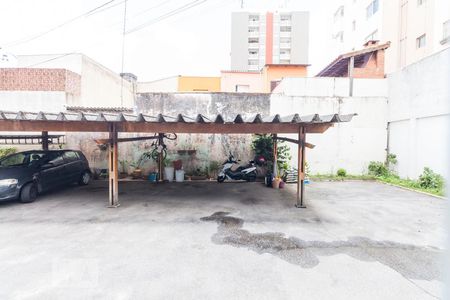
{"x": 153, "y": 176}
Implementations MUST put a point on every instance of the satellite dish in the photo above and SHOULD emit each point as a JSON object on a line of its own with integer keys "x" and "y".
{"x": 7, "y": 60}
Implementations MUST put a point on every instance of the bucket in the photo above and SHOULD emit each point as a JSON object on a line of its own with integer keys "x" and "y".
{"x": 152, "y": 176}
{"x": 179, "y": 175}
{"x": 168, "y": 173}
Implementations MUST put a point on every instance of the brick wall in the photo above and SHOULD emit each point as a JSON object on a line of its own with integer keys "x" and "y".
{"x": 32, "y": 79}
{"x": 374, "y": 67}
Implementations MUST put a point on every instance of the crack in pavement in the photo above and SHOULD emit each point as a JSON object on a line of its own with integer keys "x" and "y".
{"x": 412, "y": 262}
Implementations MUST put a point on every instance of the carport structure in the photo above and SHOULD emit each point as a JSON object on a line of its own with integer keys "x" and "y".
{"x": 114, "y": 123}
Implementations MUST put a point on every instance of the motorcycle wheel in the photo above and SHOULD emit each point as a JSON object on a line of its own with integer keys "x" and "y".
{"x": 251, "y": 177}
{"x": 220, "y": 179}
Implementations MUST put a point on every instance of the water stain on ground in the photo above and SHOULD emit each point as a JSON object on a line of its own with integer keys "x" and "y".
{"x": 412, "y": 262}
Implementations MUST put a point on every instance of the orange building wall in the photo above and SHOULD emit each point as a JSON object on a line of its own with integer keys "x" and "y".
{"x": 278, "y": 72}
{"x": 198, "y": 84}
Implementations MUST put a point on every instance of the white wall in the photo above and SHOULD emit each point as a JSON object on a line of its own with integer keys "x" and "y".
{"x": 419, "y": 115}
{"x": 347, "y": 145}
{"x": 164, "y": 85}
{"x": 100, "y": 87}
{"x": 331, "y": 87}
{"x": 32, "y": 101}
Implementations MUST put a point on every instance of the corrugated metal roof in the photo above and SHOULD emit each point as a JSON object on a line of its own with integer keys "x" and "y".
{"x": 180, "y": 118}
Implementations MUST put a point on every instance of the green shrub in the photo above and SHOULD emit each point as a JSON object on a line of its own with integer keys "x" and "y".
{"x": 377, "y": 168}
{"x": 341, "y": 172}
{"x": 262, "y": 145}
{"x": 7, "y": 151}
{"x": 430, "y": 180}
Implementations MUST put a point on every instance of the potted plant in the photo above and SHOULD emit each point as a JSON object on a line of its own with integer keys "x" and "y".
{"x": 213, "y": 169}
{"x": 123, "y": 168}
{"x": 168, "y": 170}
{"x": 278, "y": 179}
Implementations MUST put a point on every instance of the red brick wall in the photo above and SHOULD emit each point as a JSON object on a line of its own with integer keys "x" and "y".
{"x": 31, "y": 79}
{"x": 374, "y": 67}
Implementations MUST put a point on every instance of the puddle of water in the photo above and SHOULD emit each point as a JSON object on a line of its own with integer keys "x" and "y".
{"x": 412, "y": 262}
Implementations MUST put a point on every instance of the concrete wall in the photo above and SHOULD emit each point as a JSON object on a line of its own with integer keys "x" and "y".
{"x": 232, "y": 80}
{"x": 348, "y": 145}
{"x": 208, "y": 147}
{"x": 419, "y": 115}
{"x": 300, "y": 37}
{"x": 331, "y": 87}
{"x": 33, "y": 101}
{"x": 239, "y": 41}
{"x": 100, "y": 86}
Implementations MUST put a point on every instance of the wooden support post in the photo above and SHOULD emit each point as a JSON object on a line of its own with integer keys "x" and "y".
{"x": 113, "y": 167}
{"x": 351, "y": 66}
{"x": 301, "y": 167}
{"x": 275, "y": 155}
{"x": 44, "y": 140}
{"x": 160, "y": 158}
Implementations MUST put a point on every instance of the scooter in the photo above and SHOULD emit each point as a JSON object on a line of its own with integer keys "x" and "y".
{"x": 247, "y": 172}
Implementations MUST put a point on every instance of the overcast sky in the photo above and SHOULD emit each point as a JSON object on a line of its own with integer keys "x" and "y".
{"x": 194, "y": 42}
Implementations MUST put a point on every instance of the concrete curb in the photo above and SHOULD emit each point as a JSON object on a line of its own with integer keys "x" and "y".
{"x": 413, "y": 190}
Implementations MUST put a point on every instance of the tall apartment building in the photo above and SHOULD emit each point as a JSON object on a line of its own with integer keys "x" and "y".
{"x": 258, "y": 39}
{"x": 414, "y": 28}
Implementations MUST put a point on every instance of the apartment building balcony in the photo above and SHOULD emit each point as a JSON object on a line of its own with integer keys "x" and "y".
{"x": 253, "y": 56}
{"x": 253, "y": 23}
{"x": 285, "y": 34}
{"x": 285, "y": 45}
{"x": 285, "y": 23}
{"x": 253, "y": 45}
{"x": 285, "y": 57}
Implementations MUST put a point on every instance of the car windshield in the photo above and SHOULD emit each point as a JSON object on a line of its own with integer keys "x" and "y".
{"x": 22, "y": 159}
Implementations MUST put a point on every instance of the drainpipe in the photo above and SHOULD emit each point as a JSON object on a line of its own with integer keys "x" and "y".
{"x": 351, "y": 65}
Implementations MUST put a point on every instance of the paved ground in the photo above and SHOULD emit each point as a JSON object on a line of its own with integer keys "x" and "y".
{"x": 356, "y": 240}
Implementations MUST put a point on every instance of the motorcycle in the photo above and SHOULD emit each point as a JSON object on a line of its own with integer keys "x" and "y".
{"x": 247, "y": 172}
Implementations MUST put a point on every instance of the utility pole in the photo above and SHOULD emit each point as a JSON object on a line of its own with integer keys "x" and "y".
{"x": 123, "y": 49}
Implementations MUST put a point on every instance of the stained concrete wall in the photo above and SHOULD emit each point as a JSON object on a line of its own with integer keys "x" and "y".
{"x": 419, "y": 115}
{"x": 207, "y": 147}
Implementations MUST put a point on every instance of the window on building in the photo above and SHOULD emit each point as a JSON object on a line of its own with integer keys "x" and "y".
{"x": 372, "y": 37}
{"x": 339, "y": 13}
{"x": 354, "y": 25}
{"x": 253, "y": 18}
{"x": 420, "y": 2}
{"x": 242, "y": 88}
{"x": 339, "y": 36}
{"x": 446, "y": 32}
{"x": 421, "y": 41}
{"x": 252, "y": 62}
{"x": 253, "y": 40}
{"x": 285, "y": 17}
{"x": 285, "y": 28}
{"x": 253, "y": 52}
{"x": 372, "y": 8}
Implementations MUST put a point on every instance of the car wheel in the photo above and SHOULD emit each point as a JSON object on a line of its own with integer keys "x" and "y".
{"x": 28, "y": 193}
{"x": 220, "y": 179}
{"x": 85, "y": 178}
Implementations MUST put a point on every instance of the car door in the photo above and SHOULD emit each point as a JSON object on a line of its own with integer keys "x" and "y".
{"x": 50, "y": 174}
{"x": 72, "y": 166}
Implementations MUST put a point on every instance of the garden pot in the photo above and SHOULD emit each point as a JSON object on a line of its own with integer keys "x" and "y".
{"x": 153, "y": 176}
{"x": 282, "y": 183}
{"x": 169, "y": 173}
{"x": 276, "y": 183}
{"x": 179, "y": 175}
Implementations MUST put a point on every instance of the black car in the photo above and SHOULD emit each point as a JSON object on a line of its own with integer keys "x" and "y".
{"x": 24, "y": 175}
